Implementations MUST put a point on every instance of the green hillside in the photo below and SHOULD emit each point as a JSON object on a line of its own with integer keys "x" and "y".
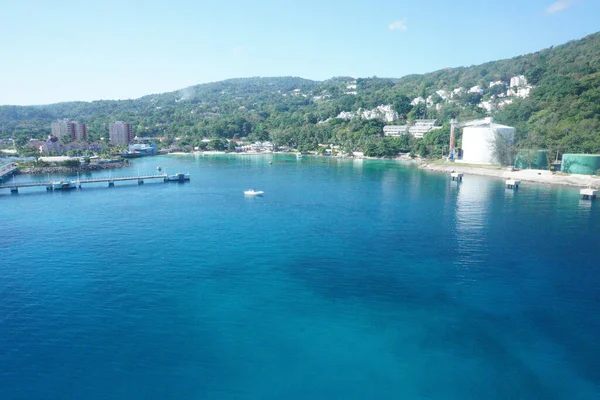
{"x": 561, "y": 113}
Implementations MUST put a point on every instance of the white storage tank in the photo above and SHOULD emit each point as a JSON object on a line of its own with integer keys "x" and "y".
{"x": 478, "y": 139}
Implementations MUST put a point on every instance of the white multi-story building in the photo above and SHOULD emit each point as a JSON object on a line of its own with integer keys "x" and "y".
{"x": 524, "y": 91}
{"x": 458, "y": 91}
{"x": 443, "y": 94}
{"x": 417, "y": 100}
{"x": 496, "y": 83}
{"x": 476, "y": 89}
{"x": 421, "y": 127}
{"x": 395, "y": 130}
{"x": 120, "y": 133}
{"x": 518, "y": 80}
{"x": 79, "y": 131}
{"x": 345, "y": 115}
{"x": 72, "y": 129}
{"x": 384, "y": 112}
{"x": 487, "y": 105}
{"x": 61, "y": 128}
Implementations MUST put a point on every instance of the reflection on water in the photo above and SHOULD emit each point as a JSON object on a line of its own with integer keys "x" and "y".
{"x": 510, "y": 193}
{"x": 472, "y": 202}
{"x": 585, "y": 205}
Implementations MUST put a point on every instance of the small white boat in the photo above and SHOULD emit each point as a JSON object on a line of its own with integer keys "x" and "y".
{"x": 298, "y": 155}
{"x": 253, "y": 192}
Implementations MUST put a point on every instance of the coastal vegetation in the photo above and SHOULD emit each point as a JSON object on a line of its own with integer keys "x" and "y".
{"x": 561, "y": 114}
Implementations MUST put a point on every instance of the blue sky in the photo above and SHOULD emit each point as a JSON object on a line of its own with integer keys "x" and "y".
{"x": 115, "y": 49}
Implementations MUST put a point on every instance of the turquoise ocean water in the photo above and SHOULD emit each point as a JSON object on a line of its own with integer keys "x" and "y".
{"x": 348, "y": 279}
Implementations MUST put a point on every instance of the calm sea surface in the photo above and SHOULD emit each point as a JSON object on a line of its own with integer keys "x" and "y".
{"x": 347, "y": 280}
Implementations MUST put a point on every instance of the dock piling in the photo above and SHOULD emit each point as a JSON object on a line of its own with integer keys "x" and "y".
{"x": 456, "y": 176}
{"x": 513, "y": 183}
{"x": 588, "y": 193}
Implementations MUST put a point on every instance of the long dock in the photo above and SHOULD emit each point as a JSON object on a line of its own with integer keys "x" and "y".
{"x": 72, "y": 184}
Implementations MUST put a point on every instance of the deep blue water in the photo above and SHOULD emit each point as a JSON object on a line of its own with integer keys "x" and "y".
{"x": 347, "y": 280}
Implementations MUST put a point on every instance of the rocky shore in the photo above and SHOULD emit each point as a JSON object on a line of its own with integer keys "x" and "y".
{"x": 81, "y": 168}
{"x": 525, "y": 175}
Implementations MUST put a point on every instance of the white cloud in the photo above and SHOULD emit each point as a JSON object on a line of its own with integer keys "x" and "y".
{"x": 559, "y": 5}
{"x": 399, "y": 25}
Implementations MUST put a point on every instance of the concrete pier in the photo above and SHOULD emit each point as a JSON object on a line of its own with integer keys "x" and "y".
{"x": 67, "y": 184}
{"x": 456, "y": 176}
{"x": 513, "y": 183}
{"x": 588, "y": 193}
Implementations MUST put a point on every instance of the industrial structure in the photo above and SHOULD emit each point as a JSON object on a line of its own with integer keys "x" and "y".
{"x": 478, "y": 140}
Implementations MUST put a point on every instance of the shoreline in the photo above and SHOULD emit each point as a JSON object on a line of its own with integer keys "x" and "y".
{"x": 525, "y": 175}
{"x": 241, "y": 153}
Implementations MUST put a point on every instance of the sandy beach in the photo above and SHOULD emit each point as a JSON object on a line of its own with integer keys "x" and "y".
{"x": 525, "y": 175}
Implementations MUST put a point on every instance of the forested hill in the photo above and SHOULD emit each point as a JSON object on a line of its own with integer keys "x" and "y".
{"x": 557, "y": 108}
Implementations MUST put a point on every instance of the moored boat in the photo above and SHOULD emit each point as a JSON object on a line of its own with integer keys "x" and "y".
{"x": 132, "y": 154}
{"x": 63, "y": 185}
{"x": 178, "y": 177}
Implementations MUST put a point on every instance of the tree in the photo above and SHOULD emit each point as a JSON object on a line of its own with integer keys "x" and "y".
{"x": 472, "y": 98}
{"x": 534, "y": 75}
{"x": 419, "y": 111}
{"x": 528, "y": 156}
{"x": 216, "y": 145}
{"x": 402, "y": 106}
{"x": 503, "y": 149}
{"x": 436, "y": 141}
